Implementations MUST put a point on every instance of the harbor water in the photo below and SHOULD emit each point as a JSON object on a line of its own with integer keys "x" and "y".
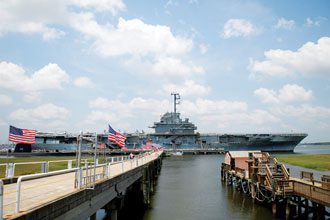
{"x": 189, "y": 187}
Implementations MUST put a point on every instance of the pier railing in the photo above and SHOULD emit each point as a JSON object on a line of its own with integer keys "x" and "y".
{"x": 10, "y": 169}
{"x": 312, "y": 192}
{"x": 83, "y": 177}
{"x": 34, "y": 176}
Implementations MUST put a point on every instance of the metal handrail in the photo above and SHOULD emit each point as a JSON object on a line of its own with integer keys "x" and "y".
{"x": 138, "y": 158}
{"x": 35, "y": 176}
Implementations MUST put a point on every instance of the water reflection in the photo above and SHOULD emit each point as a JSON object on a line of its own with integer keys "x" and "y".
{"x": 190, "y": 188}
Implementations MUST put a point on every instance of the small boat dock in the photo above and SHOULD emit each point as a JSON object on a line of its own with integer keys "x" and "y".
{"x": 268, "y": 181}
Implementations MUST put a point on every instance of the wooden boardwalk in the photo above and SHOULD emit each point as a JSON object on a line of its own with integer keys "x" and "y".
{"x": 41, "y": 191}
{"x": 265, "y": 179}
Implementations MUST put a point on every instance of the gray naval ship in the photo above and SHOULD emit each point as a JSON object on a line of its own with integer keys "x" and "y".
{"x": 172, "y": 132}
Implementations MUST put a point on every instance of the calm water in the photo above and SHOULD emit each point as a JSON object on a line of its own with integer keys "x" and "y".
{"x": 189, "y": 187}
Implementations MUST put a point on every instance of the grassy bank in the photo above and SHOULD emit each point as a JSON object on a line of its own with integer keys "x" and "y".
{"x": 23, "y": 169}
{"x": 319, "y": 162}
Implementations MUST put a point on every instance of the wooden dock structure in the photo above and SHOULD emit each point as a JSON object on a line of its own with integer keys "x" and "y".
{"x": 79, "y": 193}
{"x": 266, "y": 180}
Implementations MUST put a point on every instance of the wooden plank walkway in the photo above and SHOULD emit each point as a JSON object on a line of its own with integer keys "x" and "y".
{"x": 38, "y": 192}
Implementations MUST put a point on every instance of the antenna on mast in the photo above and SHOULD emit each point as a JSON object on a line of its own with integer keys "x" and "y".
{"x": 176, "y": 97}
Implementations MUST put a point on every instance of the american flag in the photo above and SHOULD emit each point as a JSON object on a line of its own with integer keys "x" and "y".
{"x": 24, "y": 136}
{"x": 116, "y": 137}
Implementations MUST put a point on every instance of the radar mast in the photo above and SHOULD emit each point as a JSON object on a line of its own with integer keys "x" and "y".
{"x": 176, "y": 97}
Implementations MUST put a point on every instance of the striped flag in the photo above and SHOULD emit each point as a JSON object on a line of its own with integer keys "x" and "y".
{"x": 23, "y": 136}
{"x": 116, "y": 137}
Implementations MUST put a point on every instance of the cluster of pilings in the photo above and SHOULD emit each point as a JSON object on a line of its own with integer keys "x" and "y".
{"x": 136, "y": 199}
{"x": 285, "y": 206}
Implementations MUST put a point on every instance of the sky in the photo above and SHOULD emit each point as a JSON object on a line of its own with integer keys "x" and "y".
{"x": 239, "y": 66}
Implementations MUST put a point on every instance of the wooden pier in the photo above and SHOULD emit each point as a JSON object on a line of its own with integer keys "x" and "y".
{"x": 78, "y": 193}
{"x": 268, "y": 181}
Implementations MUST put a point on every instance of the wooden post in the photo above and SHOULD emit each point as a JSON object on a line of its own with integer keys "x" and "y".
{"x": 299, "y": 206}
{"x": 287, "y": 209}
{"x": 320, "y": 212}
{"x": 274, "y": 207}
{"x": 93, "y": 217}
{"x": 306, "y": 208}
{"x": 253, "y": 191}
{"x": 113, "y": 214}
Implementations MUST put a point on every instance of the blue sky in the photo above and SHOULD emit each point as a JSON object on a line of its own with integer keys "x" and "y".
{"x": 240, "y": 66}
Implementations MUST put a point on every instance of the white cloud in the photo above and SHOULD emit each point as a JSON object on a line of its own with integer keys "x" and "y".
{"x": 311, "y": 23}
{"x": 40, "y": 16}
{"x": 163, "y": 66}
{"x": 137, "y": 110}
{"x": 32, "y": 97}
{"x": 101, "y": 116}
{"x": 303, "y": 112}
{"x": 83, "y": 82}
{"x": 287, "y": 94}
{"x": 105, "y": 5}
{"x": 119, "y": 108}
{"x": 310, "y": 59}
{"x": 231, "y": 116}
{"x": 293, "y": 93}
{"x": 203, "y": 48}
{"x": 126, "y": 108}
{"x": 144, "y": 43}
{"x": 13, "y": 77}
{"x": 5, "y": 100}
{"x": 32, "y": 17}
{"x": 132, "y": 37}
{"x": 207, "y": 107}
{"x": 50, "y": 76}
{"x": 267, "y": 95}
{"x": 188, "y": 88}
{"x": 285, "y": 24}
{"x": 41, "y": 113}
{"x": 238, "y": 27}
{"x": 174, "y": 66}
{"x": 152, "y": 49}
{"x": 242, "y": 121}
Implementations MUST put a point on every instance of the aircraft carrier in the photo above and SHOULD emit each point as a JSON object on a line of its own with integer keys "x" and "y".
{"x": 172, "y": 132}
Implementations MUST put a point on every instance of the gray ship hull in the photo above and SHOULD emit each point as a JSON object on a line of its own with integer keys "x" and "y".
{"x": 227, "y": 142}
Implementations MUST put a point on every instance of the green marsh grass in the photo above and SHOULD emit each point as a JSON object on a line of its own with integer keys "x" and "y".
{"x": 319, "y": 162}
{"x": 24, "y": 169}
